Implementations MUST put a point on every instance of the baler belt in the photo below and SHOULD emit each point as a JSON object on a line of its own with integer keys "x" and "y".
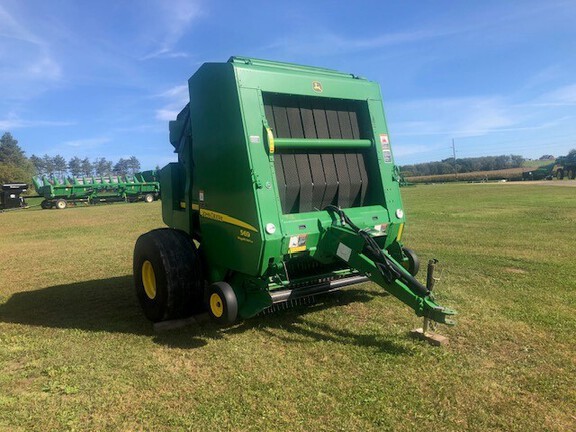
{"x": 311, "y": 117}
{"x": 305, "y": 180}
{"x": 311, "y": 179}
{"x": 318, "y": 178}
{"x": 343, "y": 180}
{"x": 292, "y": 184}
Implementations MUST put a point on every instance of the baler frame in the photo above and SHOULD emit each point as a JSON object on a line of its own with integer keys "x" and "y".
{"x": 286, "y": 179}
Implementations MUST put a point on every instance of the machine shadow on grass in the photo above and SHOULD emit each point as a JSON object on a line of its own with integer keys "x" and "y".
{"x": 110, "y": 305}
{"x": 295, "y": 328}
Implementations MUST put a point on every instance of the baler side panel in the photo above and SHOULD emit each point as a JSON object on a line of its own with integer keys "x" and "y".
{"x": 263, "y": 167}
{"x": 229, "y": 221}
{"x": 391, "y": 187}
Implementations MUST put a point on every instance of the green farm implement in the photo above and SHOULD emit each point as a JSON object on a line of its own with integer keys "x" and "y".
{"x": 59, "y": 193}
{"x": 285, "y": 187}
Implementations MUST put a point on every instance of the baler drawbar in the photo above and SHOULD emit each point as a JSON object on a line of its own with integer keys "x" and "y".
{"x": 285, "y": 187}
{"x": 359, "y": 249}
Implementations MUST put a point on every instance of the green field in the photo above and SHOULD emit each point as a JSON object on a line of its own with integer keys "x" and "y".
{"x": 77, "y": 354}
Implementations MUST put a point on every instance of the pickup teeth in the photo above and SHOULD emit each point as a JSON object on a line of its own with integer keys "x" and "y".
{"x": 302, "y": 301}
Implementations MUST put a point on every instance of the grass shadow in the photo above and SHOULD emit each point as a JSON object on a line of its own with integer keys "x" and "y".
{"x": 97, "y": 305}
{"x": 110, "y": 305}
{"x": 291, "y": 324}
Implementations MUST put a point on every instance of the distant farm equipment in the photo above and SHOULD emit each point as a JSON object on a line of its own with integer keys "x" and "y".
{"x": 564, "y": 168}
{"x": 10, "y": 196}
{"x": 544, "y": 172}
{"x": 60, "y": 193}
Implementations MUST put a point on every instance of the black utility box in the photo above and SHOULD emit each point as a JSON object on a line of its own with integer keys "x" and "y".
{"x": 10, "y": 195}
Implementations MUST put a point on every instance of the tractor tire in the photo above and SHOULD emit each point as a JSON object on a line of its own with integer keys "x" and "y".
{"x": 148, "y": 198}
{"x": 571, "y": 175}
{"x": 413, "y": 263}
{"x": 560, "y": 174}
{"x": 46, "y": 205}
{"x": 168, "y": 275}
{"x": 222, "y": 303}
{"x": 61, "y": 204}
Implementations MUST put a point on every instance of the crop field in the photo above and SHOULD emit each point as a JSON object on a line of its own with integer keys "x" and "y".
{"x": 508, "y": 174}
{"x": 502, "y": 174}
{"x": 76, "y": 353}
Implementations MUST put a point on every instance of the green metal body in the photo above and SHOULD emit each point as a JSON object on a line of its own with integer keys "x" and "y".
{"x": 98, "y": 188}
{"x": 544, "y": 172}
{"x": 227, "y": 192}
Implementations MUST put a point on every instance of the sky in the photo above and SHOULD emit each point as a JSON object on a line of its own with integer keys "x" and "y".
{"x": 103, "y": 78}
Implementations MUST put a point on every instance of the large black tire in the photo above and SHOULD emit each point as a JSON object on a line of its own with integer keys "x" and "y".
{"x": 45, "y": 204}
{"x": 168, "y": 275}
{"x": 571, "y": 174}
{"x": 222, "y": 303}
{"x": 560, "y": 174}
{"x": 413, "y": 263}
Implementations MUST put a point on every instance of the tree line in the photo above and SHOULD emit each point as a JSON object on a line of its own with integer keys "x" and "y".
{"x": 58, "y": 166}
{"x": 463, "y": 165}
{"x": 16, "y": 167}
{"x": 569, "y": 159}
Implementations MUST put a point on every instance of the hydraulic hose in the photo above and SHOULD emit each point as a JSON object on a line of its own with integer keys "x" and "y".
{"x": 389, "y": 269}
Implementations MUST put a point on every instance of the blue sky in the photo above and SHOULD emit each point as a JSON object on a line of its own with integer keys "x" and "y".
{"x": 103, "y": 78}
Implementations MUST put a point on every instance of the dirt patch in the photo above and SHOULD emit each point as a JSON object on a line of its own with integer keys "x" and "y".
{"x": 515, "y": 270}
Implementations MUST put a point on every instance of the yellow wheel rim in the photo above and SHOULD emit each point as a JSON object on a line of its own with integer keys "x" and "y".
{"x": 149, "y": 280}
{"x": 216, "y": 305}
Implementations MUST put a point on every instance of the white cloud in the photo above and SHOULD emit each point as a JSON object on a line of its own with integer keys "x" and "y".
{"x": 13, "y": 122}
{"x": 468, "y": 116}
{"x": 87, "y": 142}
{"x": 562, "y": 96}
{"x": 174, "y": 18}
{"x": 28, "y": 63}
{"x": 333, "y": 43}
{"x": 166, "y": 115}
{"x": 176, "y": 98}
{"x": 45, "y": 68}
{"x": 12, "y": 29}
{"x": 179, "y": 92}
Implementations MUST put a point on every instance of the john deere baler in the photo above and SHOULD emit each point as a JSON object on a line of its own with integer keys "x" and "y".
{"x": 285, "y": 187}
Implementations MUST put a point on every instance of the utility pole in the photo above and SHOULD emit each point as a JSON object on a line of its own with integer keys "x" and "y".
{"x": 454, "y": 155}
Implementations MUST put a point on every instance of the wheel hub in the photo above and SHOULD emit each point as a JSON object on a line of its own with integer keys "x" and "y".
{"x": 149, "y": 280}
{"x": 216, "y": 305}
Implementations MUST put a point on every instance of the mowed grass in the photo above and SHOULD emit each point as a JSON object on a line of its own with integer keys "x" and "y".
{"x": 77, "y": 354}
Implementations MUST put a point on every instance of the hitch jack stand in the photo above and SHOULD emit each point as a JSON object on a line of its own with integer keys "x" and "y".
{"x": 427, "y": 331}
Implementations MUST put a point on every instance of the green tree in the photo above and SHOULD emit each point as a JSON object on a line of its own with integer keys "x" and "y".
{"x": 38, "y": 163}
{"x": 49, "y": 165}
{"x": 102, "y": 166}
{"x": 75, "y": 166}
{"x": 571, "y": 157}
{"x": 133, "y": 165}
{"x": 60, "y": 165}
{"x": 14, "y": 165}
{"x": 121, "y": 167}
{"x": 87, "y": 168}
